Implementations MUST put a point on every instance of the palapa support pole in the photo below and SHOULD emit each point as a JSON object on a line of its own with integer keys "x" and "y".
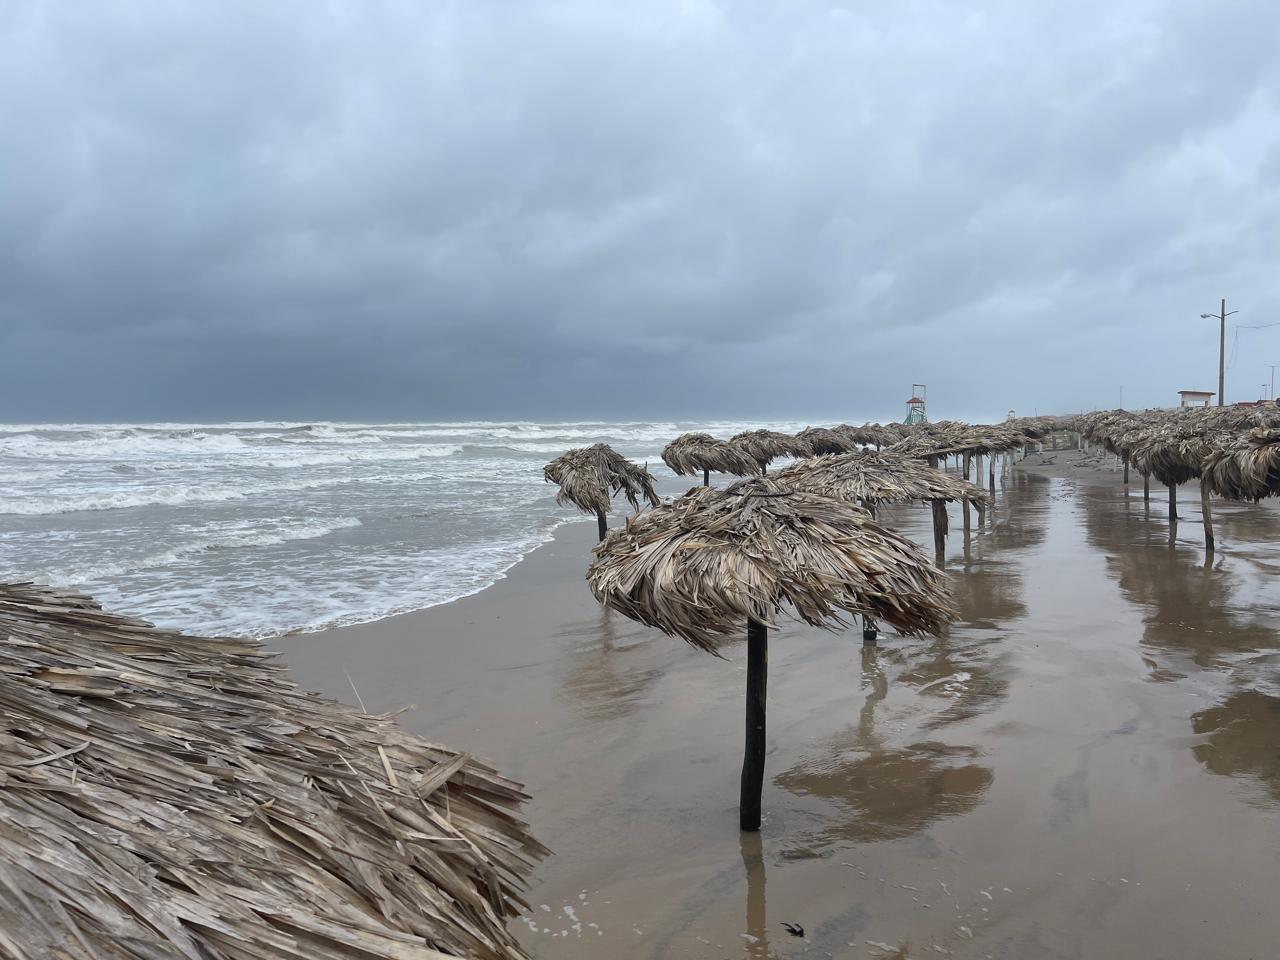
{"x": 602, "y": 523}
{"x": 991, "y": 473}
{"x": 964, "y": 502}
{"x": 1126, "y": 471}
{"x": 870, "y": 632}
{"x": 1173, "y": 501}
{"x": 706, "y": 477}
{"x": 753, "y": 758}
{"x": 982, "y": 514}
{"x": 939, "y": 530}
{"x": 1146, "y": 488}
{"x": 1207, "y": 513}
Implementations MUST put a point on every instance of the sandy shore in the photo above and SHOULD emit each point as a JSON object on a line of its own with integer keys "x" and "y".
{"x": 1085, "y": 767}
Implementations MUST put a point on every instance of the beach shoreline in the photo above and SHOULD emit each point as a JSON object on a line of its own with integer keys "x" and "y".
{"x": 982, "y": 792}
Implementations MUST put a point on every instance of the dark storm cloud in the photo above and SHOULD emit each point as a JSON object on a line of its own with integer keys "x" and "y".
{"x": 670, "y": 208}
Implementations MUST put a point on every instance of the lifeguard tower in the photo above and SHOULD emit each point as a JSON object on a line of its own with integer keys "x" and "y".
{"x": 915, "y": 406}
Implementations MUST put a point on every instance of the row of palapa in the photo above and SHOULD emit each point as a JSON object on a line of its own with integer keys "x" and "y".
{"x": 710, "y": 564}
{"x": 1233, "y": 451}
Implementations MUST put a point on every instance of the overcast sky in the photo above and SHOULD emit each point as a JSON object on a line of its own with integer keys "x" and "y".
{"x": 632, "y": 210}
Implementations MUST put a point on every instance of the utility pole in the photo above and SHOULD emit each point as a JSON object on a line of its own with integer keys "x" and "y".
{"x": 1222, "y": 347}
{"x": 1272, "y": 394}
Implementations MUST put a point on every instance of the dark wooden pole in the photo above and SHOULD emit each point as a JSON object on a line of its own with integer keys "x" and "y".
{"x": 1173, "y": 501}
{"x": 602, "y": 523}
{"x": 1208, "y": 517}
{"x": 753, "y": 758}
{"x": 1146, "y": 488}
{"x": 1126, "y": 471}
{"x": 940, "y": 530}
{"x": 991, "y": 473}
{"x": 964, "y": 503}
{"x": 706, "y": 477}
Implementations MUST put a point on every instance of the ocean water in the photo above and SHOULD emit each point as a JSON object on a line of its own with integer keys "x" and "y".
{"x": 259, "y": 529}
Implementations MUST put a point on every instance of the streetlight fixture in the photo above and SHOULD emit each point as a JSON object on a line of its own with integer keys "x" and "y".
{"x": 1222, "y": 347}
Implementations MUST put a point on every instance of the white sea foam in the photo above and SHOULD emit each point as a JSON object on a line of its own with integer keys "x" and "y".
{"x": 266, "y": 527}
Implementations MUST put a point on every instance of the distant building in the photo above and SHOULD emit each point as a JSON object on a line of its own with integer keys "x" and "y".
{"x": 1195, "y": 398}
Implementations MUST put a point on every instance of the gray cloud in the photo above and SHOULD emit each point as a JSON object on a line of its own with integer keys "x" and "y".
{"x": 661, "y": 209}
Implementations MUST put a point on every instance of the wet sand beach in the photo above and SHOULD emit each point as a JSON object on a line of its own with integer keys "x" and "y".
{"x": 1087, "y": 765}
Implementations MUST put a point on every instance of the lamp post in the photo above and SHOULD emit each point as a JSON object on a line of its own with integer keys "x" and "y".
{"x": 1222, "y": 347}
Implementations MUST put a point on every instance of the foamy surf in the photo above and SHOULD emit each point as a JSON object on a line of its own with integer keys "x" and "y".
{"x": 264, "y": 528}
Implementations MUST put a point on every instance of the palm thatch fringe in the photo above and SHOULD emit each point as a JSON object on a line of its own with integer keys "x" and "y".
{"x": 825, "y": 440}
{"x": 878, "y": 477}
{"x": 1245, "y": 468}
{"x": 765, "y": 446}
{"x": 589, "y": 476}
{"x": 702, "y": 566}
{"x": 693, "y": 453}
{"x": 174, "y": 796}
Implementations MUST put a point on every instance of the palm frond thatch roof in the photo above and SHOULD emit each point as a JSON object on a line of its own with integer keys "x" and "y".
{"x": 824, "y": 440}
{"x": 699, "y": 567}
{"x": 765, "y": 446}
{"x": 878, "y": 477}
{"x": 589, "y": 476}
{"x": 165, "y": 795}
{"x": 691, "y": 453}
{"x": 1245, "y": 468}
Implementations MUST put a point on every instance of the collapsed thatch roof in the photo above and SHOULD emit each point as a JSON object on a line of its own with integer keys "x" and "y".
{"x": 173, "y": 796}
{"x": 765, "y": 446}
{"x": 698, "y": 567}
{"x": 823, "y": 440}
{"x": 1247, "y": 467}
{"x": 691, "y": 453}
{"x": 878, "y": 477}
{"x": 588, "y": 476}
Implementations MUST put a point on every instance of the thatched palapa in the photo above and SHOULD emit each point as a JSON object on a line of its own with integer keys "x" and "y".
{"x": 825, "y": 440}
{"x": 1247, "y": 468}
{"x": 174, "y": 796}
{"x": 692, "y": 453}
{"x": 589, "y": 476}
{"x": 701, "y": 566}
{"x": 765, "y": 446}
{"x": 878, "y": 477}
{"x": 713, "y": 561}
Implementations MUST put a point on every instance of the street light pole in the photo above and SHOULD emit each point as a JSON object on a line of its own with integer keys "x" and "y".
{"x": 1272, "y": 394}
{"x": 1222, "y": 347}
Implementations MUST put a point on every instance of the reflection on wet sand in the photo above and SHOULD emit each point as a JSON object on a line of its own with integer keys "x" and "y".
{"x": 757, "y": 936}
{"x": 881, "y": 792}
{"x": 1243, "y": 740}
{"x": 607, "y": 679}
{"x": 887, "y": 793}
{"x": 1198, "y": 612}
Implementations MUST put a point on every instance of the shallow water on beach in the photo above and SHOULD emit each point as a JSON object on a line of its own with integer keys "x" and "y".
{"x": 257, "y": 529}
{"x": 1085, "y": 766}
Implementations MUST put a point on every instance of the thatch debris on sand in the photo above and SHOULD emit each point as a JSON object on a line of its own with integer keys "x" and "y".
{"x": 878, "y": 477}
{"x": 765, "y": 446}
{"x": 166, "y": 795}
{"x": 693, "y": 453}
{"x": 589, "y": 476}
{"x": 701, "y": 566}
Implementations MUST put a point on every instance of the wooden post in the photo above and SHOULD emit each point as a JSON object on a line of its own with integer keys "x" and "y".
{"x": 602, "y": 523}
{"x": 940, "y": 530}
{"x": 753, "y": 758}
{"x": 1126, "y": 471}
{"x": 1146, "y": 488}
{"x": 1173, "y": 501}
{"x": 991, "y": 473}
{"x": 1208, "y": 517}
{"x": 964, "y": 503}
{"x": 982, "y": 514}
{"x": 706, "y": 477}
